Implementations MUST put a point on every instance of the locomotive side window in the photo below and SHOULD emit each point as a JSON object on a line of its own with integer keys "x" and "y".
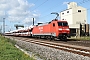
{"x": 62, "y": 24}
{"x": 53, "y": 24}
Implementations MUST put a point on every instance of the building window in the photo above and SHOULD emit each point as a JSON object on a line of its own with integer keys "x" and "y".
{"x": 62, "y": 13}
{"x": 67, "y": 11}
{"x": 62, "y": 19}
{"x": 79, "y": 10}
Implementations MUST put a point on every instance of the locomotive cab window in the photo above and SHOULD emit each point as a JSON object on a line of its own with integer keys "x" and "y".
{"x": 65, "y": 24}
{"x": 53, "y": 24}
{"x": 62, "y": 24}
{"x": 59, "y": 23}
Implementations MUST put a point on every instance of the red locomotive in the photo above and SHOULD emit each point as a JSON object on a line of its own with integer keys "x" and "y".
{"x": 54, "y": 29}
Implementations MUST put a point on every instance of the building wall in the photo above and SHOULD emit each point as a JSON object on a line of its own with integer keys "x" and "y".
{"x": 79, "y": 15}
{"x": 74, "y": 17}
{"x": 67, "y": 15}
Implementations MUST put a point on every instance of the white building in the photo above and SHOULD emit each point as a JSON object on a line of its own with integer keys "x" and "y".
{"x": 74, "y": 15}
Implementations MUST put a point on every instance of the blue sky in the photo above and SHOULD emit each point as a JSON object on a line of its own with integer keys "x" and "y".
{"x": 22, "y": 11}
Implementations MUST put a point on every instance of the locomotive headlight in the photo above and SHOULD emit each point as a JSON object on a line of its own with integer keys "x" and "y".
{"x": 60, "y": 29}
{"x": 67, "y": 29}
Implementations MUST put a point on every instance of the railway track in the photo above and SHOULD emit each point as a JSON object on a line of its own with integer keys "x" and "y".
{"x": 85, "y": 51}
{"x": 78, "y": 43}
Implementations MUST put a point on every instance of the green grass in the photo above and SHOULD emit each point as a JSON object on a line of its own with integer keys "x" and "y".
{"x": 81, "y": 38}
{"x": 84, "y": 38}
{"x": 9, "y": 52}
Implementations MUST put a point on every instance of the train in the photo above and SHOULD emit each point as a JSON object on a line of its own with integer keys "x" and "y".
{"x": 55, "y": 29}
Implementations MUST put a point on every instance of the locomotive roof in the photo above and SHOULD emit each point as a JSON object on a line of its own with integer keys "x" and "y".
{"x": 40, "y": 24}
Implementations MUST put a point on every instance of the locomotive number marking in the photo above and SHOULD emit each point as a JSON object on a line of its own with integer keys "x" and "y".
{"x": 41, "y": 29}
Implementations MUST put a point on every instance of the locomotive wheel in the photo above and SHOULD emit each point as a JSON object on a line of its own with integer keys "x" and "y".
{"x": 54, "y": 39}
{"x": 50, "y": 38}
{"x": 46, "y": 37}
{"x": 63, "y": 38}
{"x": 39, "y": 37}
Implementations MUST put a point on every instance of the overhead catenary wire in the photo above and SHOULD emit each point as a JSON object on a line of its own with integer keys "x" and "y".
{"x": 47, "y": 9}
{"x": 35, "y": 1}
{"x": 82, "y": 2}
{"x": 82, "y": 10}
{"x": 40, "y": 4}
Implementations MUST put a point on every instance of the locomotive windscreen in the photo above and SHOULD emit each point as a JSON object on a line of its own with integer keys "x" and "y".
{"x": 62, "y": 24}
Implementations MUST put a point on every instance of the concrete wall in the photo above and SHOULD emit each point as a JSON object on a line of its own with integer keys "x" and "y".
{"x": 81, "y": 29}
{"x": 73, "y": 16}
{"x": 79, "y": 17}
{"x": 75, "y": 27}
{"x": 67, "y": 16}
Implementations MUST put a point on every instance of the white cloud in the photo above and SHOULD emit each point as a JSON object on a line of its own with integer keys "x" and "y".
{"x": 2, "y": 13}
{"x": 28, "y": 20}
{"x": 17, "y": 10}
{"x": 30, "y": 17}
{"x": 64, "y": 3}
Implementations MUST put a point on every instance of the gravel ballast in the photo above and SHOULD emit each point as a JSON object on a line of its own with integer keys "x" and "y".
{"x": 48, "y": 53}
